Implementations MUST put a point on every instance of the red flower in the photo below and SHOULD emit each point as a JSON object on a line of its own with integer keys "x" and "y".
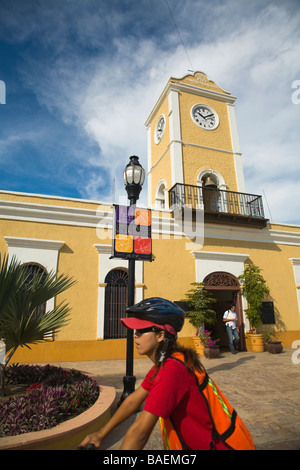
{"x": 77, "y": 401}
{"x": 34, "y": 386}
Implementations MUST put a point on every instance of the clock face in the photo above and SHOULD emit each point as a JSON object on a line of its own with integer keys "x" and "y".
{"x": 160, "y": 127}
{"x": 205, "y": 117}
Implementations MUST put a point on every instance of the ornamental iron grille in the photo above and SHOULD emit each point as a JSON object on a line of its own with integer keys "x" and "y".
{"x": 221, "y": 280}
{"x": 116, "y": 302}
{"x": 217, "y": 202}
{"x": 35, "y": 270}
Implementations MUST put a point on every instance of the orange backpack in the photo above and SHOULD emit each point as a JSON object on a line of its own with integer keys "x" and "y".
{"x": 227, "y": 426}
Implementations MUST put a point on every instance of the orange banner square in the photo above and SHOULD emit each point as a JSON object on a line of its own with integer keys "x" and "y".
{"x": 142, "y": 217}
{"x": 123, "y": 243}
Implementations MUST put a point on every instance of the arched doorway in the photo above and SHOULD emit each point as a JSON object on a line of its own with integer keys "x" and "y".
{"x": 116, "y": 295}
{"x": 225, "y": 288}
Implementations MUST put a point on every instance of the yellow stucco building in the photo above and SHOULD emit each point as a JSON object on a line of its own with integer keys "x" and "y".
{"x": 205, "y": 228}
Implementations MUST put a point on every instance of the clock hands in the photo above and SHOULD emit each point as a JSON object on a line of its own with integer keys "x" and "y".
{"x": 198, "y": 112}
{"x": 204, "y": 117}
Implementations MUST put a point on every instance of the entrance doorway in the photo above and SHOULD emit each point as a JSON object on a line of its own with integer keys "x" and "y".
{"x": 225, "y": 288}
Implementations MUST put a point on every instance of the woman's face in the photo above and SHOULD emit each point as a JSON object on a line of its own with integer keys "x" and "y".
{"x": 146, "y": 342}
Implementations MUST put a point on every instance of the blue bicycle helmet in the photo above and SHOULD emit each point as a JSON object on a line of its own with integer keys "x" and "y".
{"x": 158, "y": 311}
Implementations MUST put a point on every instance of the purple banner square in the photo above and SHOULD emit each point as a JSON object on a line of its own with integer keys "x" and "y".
{"x": 124, "y": 214}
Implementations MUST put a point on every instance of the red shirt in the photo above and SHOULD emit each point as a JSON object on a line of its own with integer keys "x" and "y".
{"x": 174, "y": 393}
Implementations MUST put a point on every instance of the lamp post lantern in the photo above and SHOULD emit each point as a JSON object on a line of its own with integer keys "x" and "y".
{"x": 134, "y": 177}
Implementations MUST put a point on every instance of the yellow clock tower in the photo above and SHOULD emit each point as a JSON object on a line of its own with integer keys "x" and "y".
{"x": 192, "y": 139}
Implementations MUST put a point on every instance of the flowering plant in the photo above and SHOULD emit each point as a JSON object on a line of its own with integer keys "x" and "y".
{"x": 206, "y": 340}
{"x": 54, "y": 396}
{"x": 252, "y": 331}
{"x": 198, "y": 306}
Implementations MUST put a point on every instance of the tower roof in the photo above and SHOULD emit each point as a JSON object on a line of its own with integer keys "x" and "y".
{"x": 198, "y": 83}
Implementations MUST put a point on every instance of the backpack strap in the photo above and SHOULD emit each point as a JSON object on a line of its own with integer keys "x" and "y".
{"x": 206, "y": 377}
{"x": 215, "y": 436}
{"x": 231, "y": 428}
{"x": 182, "y": 442}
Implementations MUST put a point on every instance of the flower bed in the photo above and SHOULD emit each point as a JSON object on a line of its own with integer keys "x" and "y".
{"x": 52, "y": 395}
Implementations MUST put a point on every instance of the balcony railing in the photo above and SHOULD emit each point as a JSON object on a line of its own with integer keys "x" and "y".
{"x": 219, "y": 205}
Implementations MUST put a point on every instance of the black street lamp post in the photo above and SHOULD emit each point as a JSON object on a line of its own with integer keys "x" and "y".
{"x": 134, "y": 177}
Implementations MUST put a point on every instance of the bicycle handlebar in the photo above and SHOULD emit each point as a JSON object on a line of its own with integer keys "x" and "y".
{"x": 87, "y": 447}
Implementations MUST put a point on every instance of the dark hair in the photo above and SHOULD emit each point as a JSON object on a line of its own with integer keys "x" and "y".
{"x": 191, "y": 359}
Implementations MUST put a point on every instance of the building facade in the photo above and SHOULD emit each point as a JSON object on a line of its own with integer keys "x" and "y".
{"x": 205, "y": 228}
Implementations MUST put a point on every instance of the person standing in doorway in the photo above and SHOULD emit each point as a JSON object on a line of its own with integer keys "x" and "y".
{"x": 230, "y": 319}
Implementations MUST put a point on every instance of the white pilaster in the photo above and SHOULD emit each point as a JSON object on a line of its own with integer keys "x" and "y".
{"x": 236, "y": 149}
{"x": 175, "y": 138}
{"x": 296, "y": 266}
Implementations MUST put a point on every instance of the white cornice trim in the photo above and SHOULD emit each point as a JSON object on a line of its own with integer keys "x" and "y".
{"x": 264, "y": 235}
{"x": 183, "y": 87}
{"x": 295, "y": 261}
{"x": 103, "y": 218}
{"x": 15, "y": 210}
{"x": 220, "y": 256}
{"x": 58, "y": 198}
{"x": 103, "y": 249}
{"x": 38, "y": 243}
{"x": 217, "y": 95}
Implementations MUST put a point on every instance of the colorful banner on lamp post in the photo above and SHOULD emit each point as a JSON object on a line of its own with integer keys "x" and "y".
{"x": 132, "y": 233}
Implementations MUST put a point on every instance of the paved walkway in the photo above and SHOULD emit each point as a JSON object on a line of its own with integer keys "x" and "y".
{"x": 264, "y": 389}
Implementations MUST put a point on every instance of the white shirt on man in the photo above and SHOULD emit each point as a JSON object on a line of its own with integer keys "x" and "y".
{"x": 231, "y": 323}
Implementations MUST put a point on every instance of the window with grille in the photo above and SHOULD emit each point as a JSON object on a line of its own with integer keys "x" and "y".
{"x": 116, "y": 295}
{"x": 31, "y": 271}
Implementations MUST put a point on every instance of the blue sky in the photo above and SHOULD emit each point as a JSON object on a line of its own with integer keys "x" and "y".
{"x": 81, "y": 77}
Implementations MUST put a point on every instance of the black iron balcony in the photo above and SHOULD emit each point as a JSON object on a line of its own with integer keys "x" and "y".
{"x": 227, "y": 207}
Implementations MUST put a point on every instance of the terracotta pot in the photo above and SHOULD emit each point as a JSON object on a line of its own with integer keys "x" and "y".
{"x": 274, "y": 347}
{"x": 211, "y": 352}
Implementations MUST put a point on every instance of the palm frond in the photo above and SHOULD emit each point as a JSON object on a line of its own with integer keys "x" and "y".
{"x": 26, "y": 330}
{"x": 20, "y": 297}
{"x": 12, "y": 277}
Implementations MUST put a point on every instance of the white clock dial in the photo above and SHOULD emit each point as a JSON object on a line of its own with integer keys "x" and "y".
{"x": 205, "y": 117}
{"x": 159, "y": 130}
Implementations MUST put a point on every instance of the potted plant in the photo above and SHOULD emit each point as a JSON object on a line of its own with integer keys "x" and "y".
{"x": 272, "y": 344}
{"x": 199, "y": 313}
{"x": 254, "y": 289}
{"x": 211, "y": 349}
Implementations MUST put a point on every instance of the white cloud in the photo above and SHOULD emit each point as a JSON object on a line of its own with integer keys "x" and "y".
{"x": 249, "y": 48}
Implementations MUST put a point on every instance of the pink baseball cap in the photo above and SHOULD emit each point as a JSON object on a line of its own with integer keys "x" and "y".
{"x": 138, "y": 324}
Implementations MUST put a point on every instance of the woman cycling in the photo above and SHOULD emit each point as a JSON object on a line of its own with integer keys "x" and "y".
{"x": 169, "y": 390}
